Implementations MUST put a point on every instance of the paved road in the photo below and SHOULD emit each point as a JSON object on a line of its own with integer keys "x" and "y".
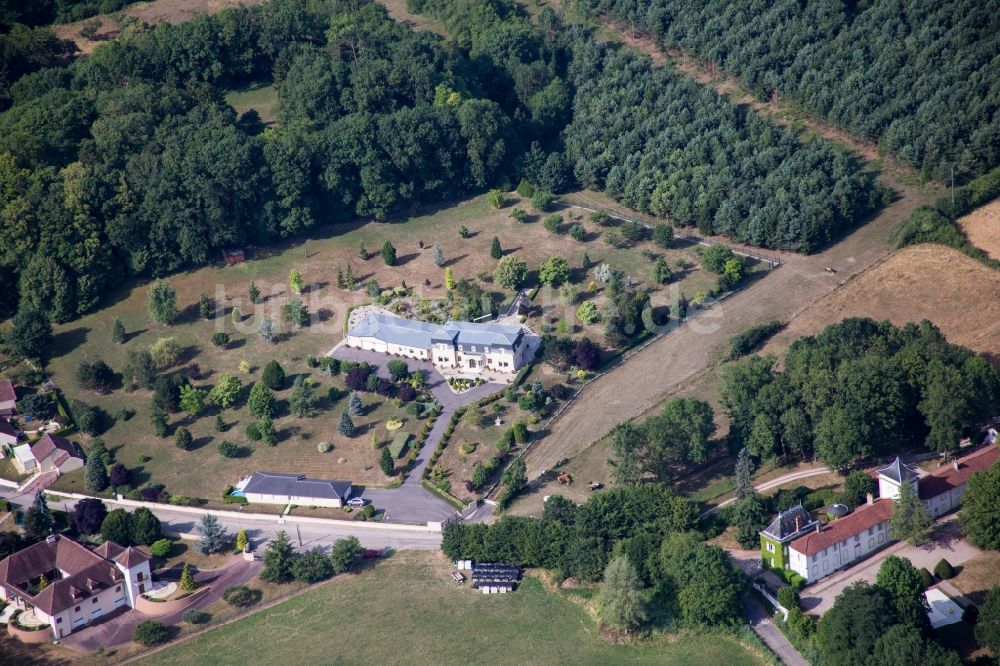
{"x": 306, "y": 535}
{"x": 763, "y": 626}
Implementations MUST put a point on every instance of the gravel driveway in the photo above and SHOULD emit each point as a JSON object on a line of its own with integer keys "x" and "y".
{"x": 946, "y": 543}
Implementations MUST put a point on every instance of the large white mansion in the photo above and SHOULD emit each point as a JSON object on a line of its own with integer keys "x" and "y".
{"x": 455, "y": 344}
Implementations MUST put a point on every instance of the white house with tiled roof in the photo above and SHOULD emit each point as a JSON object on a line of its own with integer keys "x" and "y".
{"x": 69, "y": 585}
{"x": 455, "y": 344}
{"x": 822, "y": 549}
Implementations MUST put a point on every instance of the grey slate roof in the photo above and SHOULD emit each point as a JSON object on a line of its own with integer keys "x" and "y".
{"x": 898, "y": 471}
{"x": 784, "y": 526}
{"x": 396, "y": 330}
{"x": 484, "y": 334}
{"x": 412, "y": 333}
{"x": 298, "y": 485}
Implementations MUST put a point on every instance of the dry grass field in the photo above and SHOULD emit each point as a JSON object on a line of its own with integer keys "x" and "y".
{"x": 982, "y": 228}
{"x": 978, "y": 576}
{"x": 151, "y": 13}
{"x": 920, "y": 282}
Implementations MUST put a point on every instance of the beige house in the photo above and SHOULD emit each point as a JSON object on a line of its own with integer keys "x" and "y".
{"x": 49, "y": 454}
{"x": 454, "y": 345}
{"x": 69, "y": 585}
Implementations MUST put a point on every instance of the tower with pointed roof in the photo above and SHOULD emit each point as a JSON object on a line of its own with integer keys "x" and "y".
{"x": 892, "y": 477}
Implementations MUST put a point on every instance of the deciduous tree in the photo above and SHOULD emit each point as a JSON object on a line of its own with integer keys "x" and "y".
{"x": 620, "y": 602}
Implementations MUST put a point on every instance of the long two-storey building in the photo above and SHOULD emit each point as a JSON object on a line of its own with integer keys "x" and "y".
{"x": 455, "y": 344}
{"x": 798, "y": 541}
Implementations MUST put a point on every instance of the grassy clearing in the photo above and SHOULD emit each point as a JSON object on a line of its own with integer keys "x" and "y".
{"x": 434, "y": 621}
{"x": 978, "y": 576}
{"x": 261, "y": 96}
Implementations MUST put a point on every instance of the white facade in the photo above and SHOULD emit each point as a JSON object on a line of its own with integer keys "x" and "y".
{"x": 839, "y": 555}
{"x": 453, "y": 345}
{"x": 383, "y": 347}
{"x": 100, "y": 586}
{"x": 261, "y": 498}
{"x": 134, "y": 582}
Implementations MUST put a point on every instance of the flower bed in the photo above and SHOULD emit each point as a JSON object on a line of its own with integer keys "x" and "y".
{"x": 461, "y": 385}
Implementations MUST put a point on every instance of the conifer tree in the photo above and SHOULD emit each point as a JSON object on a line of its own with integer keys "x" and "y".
{"x": 346, "y": 426}
{"x": 438, "y": 255}
{"x": 187, "y": 583}
{"x": 118, "y": 331}
{"x": 495, "y": 250}
{"x": 254, "y": 292}
{"x": 95, "y": 477}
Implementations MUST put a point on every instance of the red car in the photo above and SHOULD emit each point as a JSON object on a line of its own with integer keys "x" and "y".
{"x": 371, "y": 554}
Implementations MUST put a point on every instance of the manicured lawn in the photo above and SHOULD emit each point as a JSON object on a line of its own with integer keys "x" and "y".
{"x": 407, "y": 610}
{"x": 203, "y": 472}
{"x": 484, "y": 436}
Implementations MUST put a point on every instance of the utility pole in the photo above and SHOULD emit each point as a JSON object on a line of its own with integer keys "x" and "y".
{"x": 952, "y": 184}
{"x": 298, "y": 531}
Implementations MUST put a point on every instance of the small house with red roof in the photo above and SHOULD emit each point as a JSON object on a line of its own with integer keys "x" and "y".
{"x": 69, "y": 585}
{"x": 822, "y": 549}
{"x": 49, "y": 454}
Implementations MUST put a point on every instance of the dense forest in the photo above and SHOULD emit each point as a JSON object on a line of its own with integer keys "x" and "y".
{"x": 128, "y": 161}
{"x": 859, "y": 390}
{"x": 662, "y": 144}
{"x": 921, "y": 78}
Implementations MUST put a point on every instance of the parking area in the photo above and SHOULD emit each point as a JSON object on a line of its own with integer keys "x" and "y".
{"x": 946, "y": 543}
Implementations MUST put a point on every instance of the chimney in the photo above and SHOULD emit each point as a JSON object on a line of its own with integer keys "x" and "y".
{"x": 798, "y": 523}
{"x": 819, "y": 526}
{"x": 52, "y": 538}
{"x": 956, "y": 465}
{"x": 870, "y": 498}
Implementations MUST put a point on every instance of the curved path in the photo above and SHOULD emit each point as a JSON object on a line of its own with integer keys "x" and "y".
{"x": 118, "y": 630}
{"x": 411, "y": 502}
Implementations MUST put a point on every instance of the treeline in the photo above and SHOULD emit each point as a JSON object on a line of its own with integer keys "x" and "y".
{"x": 129, "y": 161}
{"x": 920, "y": 78}
{"x": 858, "y": 390}
{"x": 662, "y": 144}
{"x": 681, "y": 580}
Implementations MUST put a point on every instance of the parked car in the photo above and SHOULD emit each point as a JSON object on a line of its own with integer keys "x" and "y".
{"x": 357, "y": 501}
{"x": 371, "y": 554}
